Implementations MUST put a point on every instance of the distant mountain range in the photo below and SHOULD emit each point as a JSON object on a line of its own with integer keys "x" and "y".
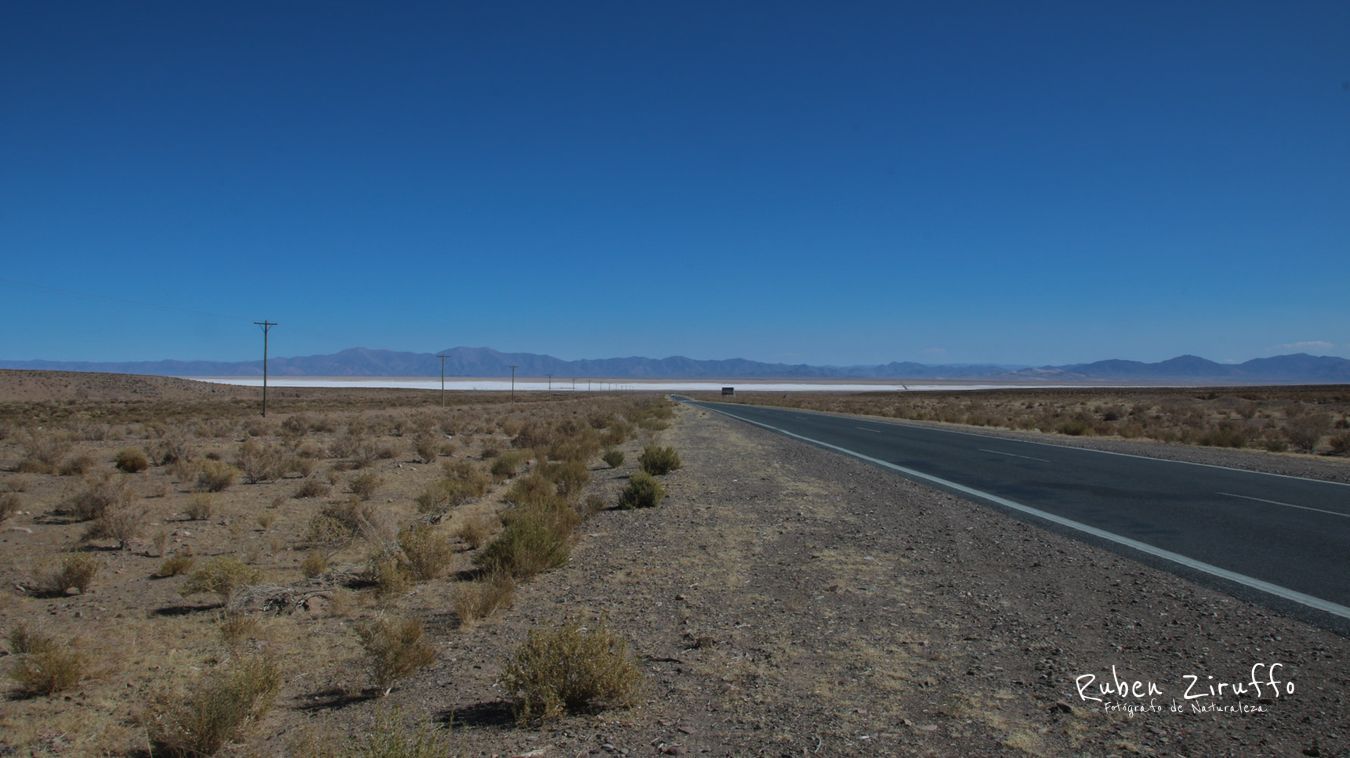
{"x": 1299, "y": 368}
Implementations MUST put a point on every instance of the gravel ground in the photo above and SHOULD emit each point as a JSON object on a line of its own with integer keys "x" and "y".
{"x": 789, "y": 600}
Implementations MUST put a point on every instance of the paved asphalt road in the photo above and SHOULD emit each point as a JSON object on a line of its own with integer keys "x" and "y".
{"x": 1270, "y": 535}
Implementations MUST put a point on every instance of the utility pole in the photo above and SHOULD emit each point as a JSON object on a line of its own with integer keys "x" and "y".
{"x": 266, "y": 327}
{"x": 442, "y": 356}
{"x": 574, "y": 384}
{"x": 550, "y": 382}
{"x": 513, "y": 384}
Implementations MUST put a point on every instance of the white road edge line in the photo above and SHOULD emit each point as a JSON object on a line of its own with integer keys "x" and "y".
{"x": 893, "y": 422}
{"x": 1014, "y": 455}
{"x": 868, "y": 429}
{"x": 1286, "y": 505}
{"x": 1318, "y": 603}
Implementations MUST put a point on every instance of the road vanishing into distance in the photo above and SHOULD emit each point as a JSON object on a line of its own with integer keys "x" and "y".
{"x": 1280, "y": 540}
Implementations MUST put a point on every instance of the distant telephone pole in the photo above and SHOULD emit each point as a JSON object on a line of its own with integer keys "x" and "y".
{"x": 550, "y": 382}
{"x": 266, "y": 327}
{"x": 513, "y": 383}
{"x": 442, "y": 356}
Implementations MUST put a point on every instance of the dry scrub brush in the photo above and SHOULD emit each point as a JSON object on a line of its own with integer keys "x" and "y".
{"x": 659, "y": 461}
{"x": 214, "y": 710}
{"x": 483, "y": 597}
{"x": 44, "y": 666}
{"x": 131, "y": 460}
{"x": 395, "y": 648}
{"x": 43, "y": 451}
{"x": 9, "y": 505}
{"x": 569, "y": 669}
{"x": 77, "y": 571}
{"x": 98, "y": 494}
{"x": 642, "y": 491}
{"x": 426, "y": 551}
{"x": 223, "y": 577}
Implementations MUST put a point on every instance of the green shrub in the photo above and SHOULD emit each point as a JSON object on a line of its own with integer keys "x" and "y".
{"x": 534, "y": 540}
{"x": 395, "y": 648}
{"x": 659, "y": 461}
{"x": 568, "y": 669}
{"x": 613, "y": 458}
{"x": 132, "y": 460}
{"x": 215, "y": 710}
{"x": 643, "y": 491}
{"x": 222, "y": 577}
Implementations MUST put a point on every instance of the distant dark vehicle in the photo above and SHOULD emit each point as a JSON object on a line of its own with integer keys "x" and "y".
{"x": 728, "y": 391}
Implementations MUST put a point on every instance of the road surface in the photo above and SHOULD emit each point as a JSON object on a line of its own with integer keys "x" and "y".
{"x": 1278, "y": 539}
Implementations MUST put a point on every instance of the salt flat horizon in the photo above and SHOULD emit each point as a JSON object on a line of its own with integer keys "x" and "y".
{"x": 538, "y": 384}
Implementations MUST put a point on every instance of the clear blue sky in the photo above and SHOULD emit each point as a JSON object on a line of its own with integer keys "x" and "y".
{"x": 817, "y": 182}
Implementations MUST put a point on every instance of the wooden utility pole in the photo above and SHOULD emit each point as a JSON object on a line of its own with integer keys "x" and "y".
{"x": 513, "y": 384}
{"x": 266, "y": 327}
{"x": 442, "y": 356}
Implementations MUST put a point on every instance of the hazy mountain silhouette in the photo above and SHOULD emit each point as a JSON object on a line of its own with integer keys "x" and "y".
{"x": 483, "y": 362}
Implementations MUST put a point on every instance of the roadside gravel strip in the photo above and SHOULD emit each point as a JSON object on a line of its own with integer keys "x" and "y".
{"x": 787, "y": 599}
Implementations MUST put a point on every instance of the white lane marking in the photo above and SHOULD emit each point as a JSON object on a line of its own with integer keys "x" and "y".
{"x": 866, "y": 429}
{"x": 1014, "y": 440}
{"x": 1287, "y": 505}
{"x": 1014, "y": 455}
{"x": 1318, "y": 603}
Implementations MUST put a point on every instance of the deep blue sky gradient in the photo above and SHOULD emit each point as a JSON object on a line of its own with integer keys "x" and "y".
{"x": 816, "y": 182}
